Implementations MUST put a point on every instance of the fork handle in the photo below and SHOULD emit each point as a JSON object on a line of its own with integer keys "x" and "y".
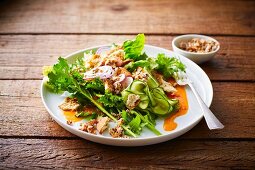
{"x": 211, "y": 120}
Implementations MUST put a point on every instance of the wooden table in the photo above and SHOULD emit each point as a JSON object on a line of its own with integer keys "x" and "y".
{"x": 35, "y": 33}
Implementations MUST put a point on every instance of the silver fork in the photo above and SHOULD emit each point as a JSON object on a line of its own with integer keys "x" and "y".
{"x": 211, "y": 121}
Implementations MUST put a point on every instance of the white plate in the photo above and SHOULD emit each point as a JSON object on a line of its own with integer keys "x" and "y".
{"x": 201, "y": 82}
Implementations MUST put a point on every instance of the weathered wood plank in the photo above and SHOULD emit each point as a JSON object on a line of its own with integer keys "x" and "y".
{"x": 14, "y": 73}
{"x": 21, "y": 56}
{"x": 210, "y": 17}
{"x": 176, "y": 154}
{"x": 23, "y": 113}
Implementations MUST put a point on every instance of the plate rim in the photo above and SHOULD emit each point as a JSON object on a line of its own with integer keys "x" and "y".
{"x": 163, "y": 137}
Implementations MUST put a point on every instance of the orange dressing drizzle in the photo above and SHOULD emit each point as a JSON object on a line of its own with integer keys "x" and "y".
{"x": 70, "y": 116}
{"x": 169, "y": 123}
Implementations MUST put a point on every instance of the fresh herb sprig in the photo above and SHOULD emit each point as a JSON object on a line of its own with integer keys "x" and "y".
{"x": 169, "y": 66}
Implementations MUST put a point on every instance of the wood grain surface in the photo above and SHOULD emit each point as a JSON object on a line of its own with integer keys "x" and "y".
{"x": 79, "y": 154}
{"x": 22, "y": 56}
{"x": 160, "y": 17}
{"x": 36, "y": 33}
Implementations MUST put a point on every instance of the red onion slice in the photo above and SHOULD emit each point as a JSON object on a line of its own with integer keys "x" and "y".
{"x": 121, "y": 78}
{"x": 102, "y": 49}
{"x": 127, "y": 81}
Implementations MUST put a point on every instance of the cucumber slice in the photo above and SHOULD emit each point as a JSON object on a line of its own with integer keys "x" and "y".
{"x": 151, "y": 81}
{"x": 157, "y": 93}
{"x": 161, "y": 110}
{"x": 144, "y": 97}
{"x": 143, "y": 104}
{"x": 152, "y": 97}
{"x": 149, "y": 94}
{"x": 144, "y": 101}
{"x": 162, "y": 105}
{"x": 137, "y": 87}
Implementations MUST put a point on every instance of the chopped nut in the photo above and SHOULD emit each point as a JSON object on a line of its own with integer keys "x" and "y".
{"x": 91, "y": 109}
{"x": 132, "y": 101}
{"x": 115, "y": 83}
{"x": 120, "y": 121}
{"x": 116, "y": 132}
{"x": 117, "y": 116}
{"x": 91, "y": 129}
{"x": 108, "y": 84}
{"x": 70, "y": 104}
{"x": 117, "y": 87}
{"x": 139, "y": 74}
{"x": 122, "y": 70}
{"x": 92, "y": 61}
{"x": 125, "y": 136}
{"x": 166, "y": 86}
{"x": 102, "y": 124}
{"x": 199, "y": 45}
{"x": 89, "y": 126}
{"x": 115, "y": 58}
{"x": 69, "y": 122}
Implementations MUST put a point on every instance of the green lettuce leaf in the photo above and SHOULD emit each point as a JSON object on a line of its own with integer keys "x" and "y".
{"x": 133, "y": 48}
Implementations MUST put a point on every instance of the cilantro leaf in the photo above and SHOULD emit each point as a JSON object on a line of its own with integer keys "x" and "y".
{"x": 133, "y": 48}
{"x": 169, "y": 66}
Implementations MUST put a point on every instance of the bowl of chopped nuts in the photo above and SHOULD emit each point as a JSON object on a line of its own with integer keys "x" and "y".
{"x": 198, "y": 48}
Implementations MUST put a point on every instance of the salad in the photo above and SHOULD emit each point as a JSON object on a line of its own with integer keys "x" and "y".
{"x": 120, "y": 84}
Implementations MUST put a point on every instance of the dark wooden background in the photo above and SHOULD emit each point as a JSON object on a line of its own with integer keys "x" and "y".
{"x": 35, "y": 33}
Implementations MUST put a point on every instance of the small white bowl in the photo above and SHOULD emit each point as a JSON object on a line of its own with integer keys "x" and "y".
{"x": 196, "y": 57}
